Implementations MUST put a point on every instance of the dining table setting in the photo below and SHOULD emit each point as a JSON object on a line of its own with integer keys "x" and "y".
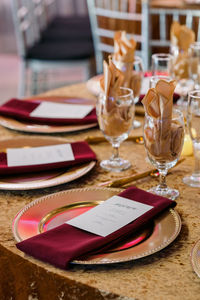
{"x": 98, "y": 199}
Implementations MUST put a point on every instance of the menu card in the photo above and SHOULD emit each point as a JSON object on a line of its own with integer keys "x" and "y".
{"x": 59, "y": 110}
{"x": 39, "y": 155}
{"x": 110, "y": 216}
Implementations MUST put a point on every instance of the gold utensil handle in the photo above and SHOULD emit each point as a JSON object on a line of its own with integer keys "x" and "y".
{"x": 100, "y": 139}
{"x": 122, "y": 181}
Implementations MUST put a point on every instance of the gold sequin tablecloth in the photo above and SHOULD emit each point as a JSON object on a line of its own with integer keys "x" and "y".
{"x": 167, "y": 274}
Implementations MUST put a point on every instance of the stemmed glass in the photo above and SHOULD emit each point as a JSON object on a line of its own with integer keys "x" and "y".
{"x": 193, "y": 123}
{"x": 134, "y": 73}
{"x": 194, "y": 64}
{"x": 155, "y": 79}
{"x": 115, "y": 116}
{"x": 162, "y": 64}
{"x": 180, "y": 72}
{"x": 163, "y": 142}
{"x": 138, "y": 72}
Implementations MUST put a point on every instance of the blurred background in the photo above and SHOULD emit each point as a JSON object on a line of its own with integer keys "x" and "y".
{"x": 9, "y": 60}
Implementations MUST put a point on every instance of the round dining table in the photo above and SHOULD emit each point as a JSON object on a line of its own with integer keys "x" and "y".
{"x": 166, "y": 274}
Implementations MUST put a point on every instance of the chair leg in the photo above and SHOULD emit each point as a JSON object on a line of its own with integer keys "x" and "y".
{"x": 34, "y": 82}
{"x": 22, "y": 79}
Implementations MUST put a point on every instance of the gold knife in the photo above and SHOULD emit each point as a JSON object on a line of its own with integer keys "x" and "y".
{"x": 122, "y": 181}
{"x": 100, "y": 139}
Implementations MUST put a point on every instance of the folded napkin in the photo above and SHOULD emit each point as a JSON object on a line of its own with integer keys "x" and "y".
{"x": 164, "y": 137}
{"x": 181, "y": 37}
{"x": 21, "y": 109}
{"x": 123, "y": 58}
{"x": 61, "y": 245}
{"x": 113, "y": 121}
{"x": 175, "y": 98}
{"x": 82, "y": 154}
{"x": 112, "y": 79}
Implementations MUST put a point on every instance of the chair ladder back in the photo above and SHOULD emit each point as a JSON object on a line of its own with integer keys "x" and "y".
{"x": 39, "y": 14}
{"x": 117, "y": 10}
{"x": 51, "y": 8}
{"x": 176, "y": 14}
{"x": 26, "y": 32}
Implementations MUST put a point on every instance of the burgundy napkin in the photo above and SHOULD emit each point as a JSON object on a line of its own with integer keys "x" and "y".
{"x": 20, "y": 109}
{"x": 81, "y": 150}
{"x": 64, "y": 243}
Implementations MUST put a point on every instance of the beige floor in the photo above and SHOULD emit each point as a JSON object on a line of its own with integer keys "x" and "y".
{"x": 9, "y": 76}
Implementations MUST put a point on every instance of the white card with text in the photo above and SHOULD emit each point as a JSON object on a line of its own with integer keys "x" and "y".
{"x": 61, "y": 111}
{"x": 110, "y": 216}
{"x": 39, "y": 155}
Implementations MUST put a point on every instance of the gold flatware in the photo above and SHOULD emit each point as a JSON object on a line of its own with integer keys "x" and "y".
{"x": 100, "y": 139}
{"x": 122, "y": 181}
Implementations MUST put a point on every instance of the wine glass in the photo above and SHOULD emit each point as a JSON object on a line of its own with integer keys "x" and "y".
{"x": 155, "y": 79}
{"x": 138, "y": 75}
{"x": 115, "y": 116}
{"x": 162, "y": 64}
{"x": 194, "y": 64}
{"x": 180, "y": 72}
{"x": 193, "y": 123}
{"x": 163, "y": 143}
{"x": 133, "y": 76}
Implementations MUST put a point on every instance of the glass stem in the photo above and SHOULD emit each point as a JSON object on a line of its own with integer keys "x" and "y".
{"x": 162, "y": 179}
{"x": 197, "y": 159}
{"x": 115, "y": 154}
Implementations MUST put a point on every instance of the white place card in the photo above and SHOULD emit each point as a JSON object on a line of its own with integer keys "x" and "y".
{"x": 39, "y": 155}
{"x": 61, "y": 111}
{"x": 110, "y": 216}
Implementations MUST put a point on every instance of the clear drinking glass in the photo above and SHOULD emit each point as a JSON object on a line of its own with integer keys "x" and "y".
{"x": 115, "y": 117}
{"x": 180, "y": 72}
{"x": 155, "y": 79}
{"x": 162, "y": 64}
{"x": 194, "y": 64}
{"x": 134, "y": 73}
{"x": 193, "y": 124}
{"x": 163, "y": 142}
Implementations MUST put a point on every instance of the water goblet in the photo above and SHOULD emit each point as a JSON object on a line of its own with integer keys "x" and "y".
{"x": 155, "y": 79}
{"x": 162, "y": 64}
{"x": 180, "y": 72}
{"x": 115, "y": 117}
{"x": 194, "y": 64}
{"x": 163, "y": 143}
{"x": 133, "y": 76}
{"x": 193, "y": 124}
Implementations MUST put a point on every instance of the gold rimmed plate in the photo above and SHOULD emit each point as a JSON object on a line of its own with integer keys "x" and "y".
{"x": 53, "y": 210}
{"x": 23, "y": 126}
{"x": 195, "y": 258}
{"x": 38, "y": 180}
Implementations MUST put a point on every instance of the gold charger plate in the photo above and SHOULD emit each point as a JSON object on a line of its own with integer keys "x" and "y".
{"x": 195, "y": 258}
{"x": 28, "y": 181}
{"x": 19, "y": 125}
{"x": 53, "y": 210}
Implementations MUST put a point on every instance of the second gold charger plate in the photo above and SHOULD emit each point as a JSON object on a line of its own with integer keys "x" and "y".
{"x": 195, "y": 258}
{"x": 38, "y": 180}
{"x": 20, "y": 125}
{"x": 53, "y": 210}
